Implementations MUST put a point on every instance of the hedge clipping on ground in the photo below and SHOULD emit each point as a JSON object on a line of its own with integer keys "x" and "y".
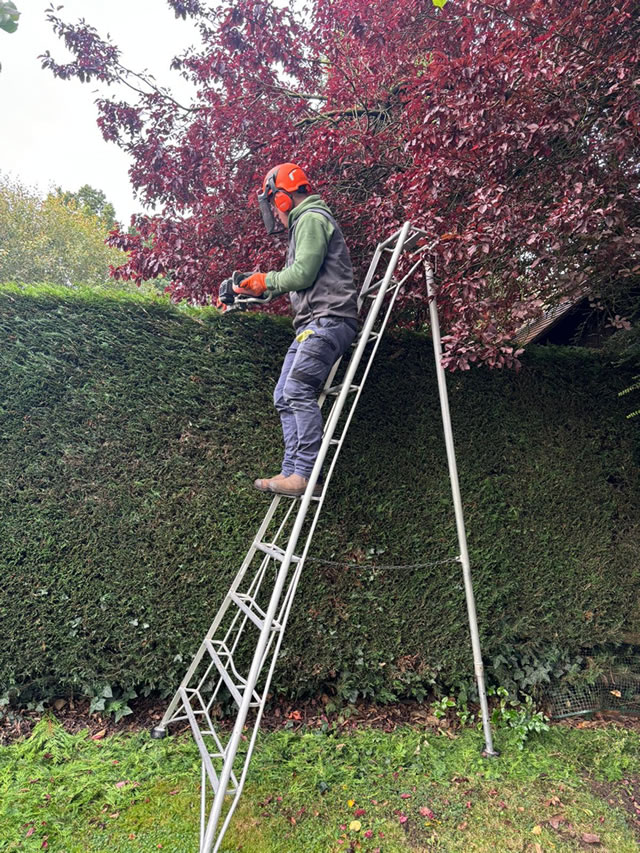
{"x": 131, "y": 432}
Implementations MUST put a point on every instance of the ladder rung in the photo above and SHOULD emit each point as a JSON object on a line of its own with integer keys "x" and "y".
{"x": 372, "y": 287}
{"x": 336, "y": 389}
{"x": 370, "y": 291}
{"x": 255, "y": 613}
{"x": 372, "y": 337}
{"x": 274, "y": 551}
{"x": 231, "y": 686}
{"x": 335, "y": 441}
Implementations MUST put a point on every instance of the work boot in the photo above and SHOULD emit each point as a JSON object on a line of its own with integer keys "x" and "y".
{"x": 294, "y": 485}
{"x": 263, "y": 484}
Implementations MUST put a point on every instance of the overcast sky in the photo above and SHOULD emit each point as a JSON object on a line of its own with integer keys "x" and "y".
{"x": 48, "y": 131}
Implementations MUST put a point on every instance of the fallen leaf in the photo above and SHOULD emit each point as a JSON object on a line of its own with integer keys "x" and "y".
{"x": 405, "y": 796}
{"x": 355, "y": 826}
{"x": 537, "y": 848}
{"x": 537, "y": 830}
{"x": 425, "y": 811}
{"x": 556, "y": 820}
{"x": 359, "y": 812}
{"x": 99, "y": 735}
{"x": 590, "y": 838}
{"x": 462, "y": 825}
{"x": 351, "y": 803}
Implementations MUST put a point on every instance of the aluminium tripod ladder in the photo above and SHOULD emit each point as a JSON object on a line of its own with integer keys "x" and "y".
{"x": 261, "y": 595}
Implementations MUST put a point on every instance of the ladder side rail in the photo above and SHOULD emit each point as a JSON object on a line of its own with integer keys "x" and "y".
{"x": 284, "y": 613}
{"x": 372, "y": 354}
{"x": 370, "y": 273}
{"x": 293, "y": 540}
{"x": 202, "y": 747}
{"x": 287, "y": 600}
{"x": 195, "y": 663}
{"x": 287, "y": 603}
{"x": 375, "y": 260}
{"x": 203, "y": 802}
{"x": 231, "y": 650}
{"x": 258, "y": 578}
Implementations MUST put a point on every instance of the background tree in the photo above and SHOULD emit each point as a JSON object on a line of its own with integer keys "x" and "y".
{"x": 509, "y": 131}
{"x": 91, "y": 201}
{"x": 51, "y": 240}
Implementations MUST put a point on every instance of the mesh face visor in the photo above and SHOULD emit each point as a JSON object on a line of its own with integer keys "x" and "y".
{"x": 271, "y": 222}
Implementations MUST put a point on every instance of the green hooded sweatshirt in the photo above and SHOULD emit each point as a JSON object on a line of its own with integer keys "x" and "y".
{"x": 312, "y": 241}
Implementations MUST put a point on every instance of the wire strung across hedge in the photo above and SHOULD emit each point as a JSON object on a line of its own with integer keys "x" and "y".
{"x": 381, "y": 567}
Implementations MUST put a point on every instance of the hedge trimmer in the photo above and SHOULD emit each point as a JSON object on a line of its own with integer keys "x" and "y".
{"x": 229, "y": 300}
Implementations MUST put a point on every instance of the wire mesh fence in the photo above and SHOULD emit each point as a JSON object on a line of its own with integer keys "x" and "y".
{"x": 616, "y": 687}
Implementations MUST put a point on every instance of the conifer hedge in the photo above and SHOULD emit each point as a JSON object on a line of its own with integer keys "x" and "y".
{"x": 131, "y": 431}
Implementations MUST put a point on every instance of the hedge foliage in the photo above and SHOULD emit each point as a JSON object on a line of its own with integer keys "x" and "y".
{"x": 131, "y": 432}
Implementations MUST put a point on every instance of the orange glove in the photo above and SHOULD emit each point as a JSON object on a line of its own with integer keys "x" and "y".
{"x": 255, "y": 285}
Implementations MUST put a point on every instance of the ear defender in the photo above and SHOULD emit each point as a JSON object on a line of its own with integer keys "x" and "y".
{"x": 283, "y": 201}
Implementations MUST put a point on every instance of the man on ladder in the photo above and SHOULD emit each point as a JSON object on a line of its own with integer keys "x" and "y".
{"x": 318, "y": 277}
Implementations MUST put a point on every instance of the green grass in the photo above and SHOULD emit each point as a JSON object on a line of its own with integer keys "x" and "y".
{"x": 305, "y": 790}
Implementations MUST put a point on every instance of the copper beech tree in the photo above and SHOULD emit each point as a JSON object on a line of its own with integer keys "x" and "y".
{"x": 508, "y": 130}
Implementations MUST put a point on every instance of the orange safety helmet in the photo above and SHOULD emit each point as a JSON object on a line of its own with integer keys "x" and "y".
{"x": 277, "y": 189}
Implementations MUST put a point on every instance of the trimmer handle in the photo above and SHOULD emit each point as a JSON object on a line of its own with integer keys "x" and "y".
{"x": 227, "y": 296}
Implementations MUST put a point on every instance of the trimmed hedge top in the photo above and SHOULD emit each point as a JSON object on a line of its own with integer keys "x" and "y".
{"x": 131, "y": 432}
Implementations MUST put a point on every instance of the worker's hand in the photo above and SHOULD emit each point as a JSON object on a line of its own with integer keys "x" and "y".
{"x": 254, "y": 285}
{"x": 221, "y": 306}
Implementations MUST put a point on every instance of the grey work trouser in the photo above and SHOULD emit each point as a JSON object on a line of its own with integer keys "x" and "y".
{"x": 304, "y": 371}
